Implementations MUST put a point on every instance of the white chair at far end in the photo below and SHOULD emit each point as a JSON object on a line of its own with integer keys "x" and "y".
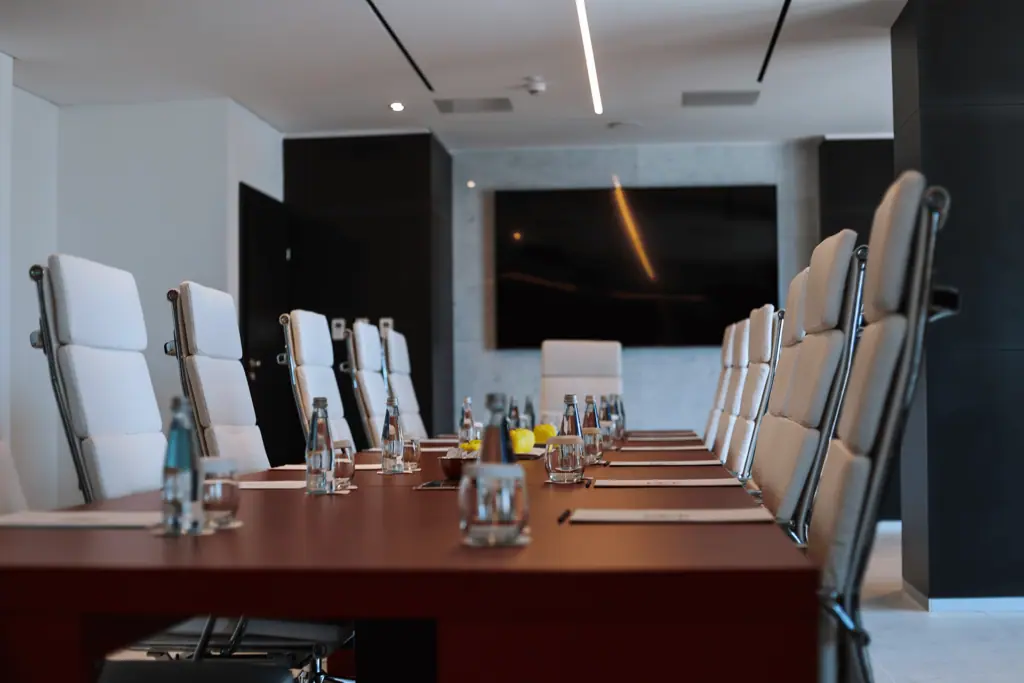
{"x": 577, "y": 367}
{"x": 93, "y": 333}
{"x": 734, "y": 390}
{"x": 309, "y": 353}
{"x": 399, "y": 378}
{"x": 210, "y": 354}
{"x": 715, "y": 414}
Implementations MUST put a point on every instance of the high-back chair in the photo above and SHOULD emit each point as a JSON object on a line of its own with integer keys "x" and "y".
{"x": 208, "y": 347}
{"x": 577, "y": 367}
{"x": 12, "y": 498}
{"x": 734, "y": 392}
{"x": 365, "y": 364}
{"x": 770, "y": 460}
{"x": 898, "y": 304}
{"x": 93, "y": 334}
{"x": 399, "y": 380}
{"x": 711, "y": 429}
{"x": 764, "y": 338}
{"x": 831, "y": 319}
{"x": 309, "y": 354}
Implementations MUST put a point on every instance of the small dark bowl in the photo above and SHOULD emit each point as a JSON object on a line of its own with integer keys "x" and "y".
{"x": 452, "y": 467}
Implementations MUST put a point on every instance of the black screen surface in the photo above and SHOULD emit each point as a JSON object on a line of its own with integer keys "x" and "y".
{"x": 646, "y": 266}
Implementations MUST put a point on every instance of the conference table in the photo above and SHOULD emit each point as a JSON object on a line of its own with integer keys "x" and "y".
{"x": 587, "y": 602}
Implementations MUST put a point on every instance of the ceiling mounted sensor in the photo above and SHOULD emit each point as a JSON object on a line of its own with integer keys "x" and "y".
{"x": 721, "y": 98}
{"x": 474, "y": 105}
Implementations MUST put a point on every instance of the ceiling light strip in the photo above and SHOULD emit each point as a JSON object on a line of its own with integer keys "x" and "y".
{"x": 588, "y": 53}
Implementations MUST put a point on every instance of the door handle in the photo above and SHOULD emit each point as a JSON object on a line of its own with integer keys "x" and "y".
{"x": 255, "y": 363}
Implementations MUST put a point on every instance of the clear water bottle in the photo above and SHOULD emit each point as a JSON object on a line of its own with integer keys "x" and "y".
{"x": 620, "y": 410}
{"x": 591, "y": 431}
{"x": 183, "y": 475}
{"x": 319, "y": 451}
{"x": 514, "y": 420}
{"x": 493, "y": 506}
{"x": 392, "y": 442}
{"x": 529, "y": 416}
{"x": 466, "y": 421}
{"x": 570, "y": 418}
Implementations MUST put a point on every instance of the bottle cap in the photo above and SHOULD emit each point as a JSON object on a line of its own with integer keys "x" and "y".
{"x": 570, "y": 398}
{"x": 589, "y": 398}
{"x": 320, "y": 402}
{"x": 496, "y": 402}
{"x": 393, "y": 400}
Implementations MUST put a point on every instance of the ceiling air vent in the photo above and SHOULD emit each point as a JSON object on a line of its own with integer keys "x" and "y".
{"x": 720, "y": 98}
{"x": 474, "y": 105}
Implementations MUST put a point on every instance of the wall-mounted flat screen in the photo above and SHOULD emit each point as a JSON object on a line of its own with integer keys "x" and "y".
{"x": 647, "y": 266}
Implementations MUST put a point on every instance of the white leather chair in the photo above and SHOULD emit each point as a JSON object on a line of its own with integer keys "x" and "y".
{"x": 724, "y": 376}
{"x": 897, "y": 304}
{"x": 94, "y": 331}
{"x": 770, "y": 458}
{"x": 366, "y": 363}
{"x": 12, "y": 498}
{"x": 399, "y": 378}
{"x": 217, "y": 385}
{"x": 311, "y": 352}
{"x": 763, "y": 336}
{"x": 577, "y": 367}
{"x": 734, "y": 392}
{"x": 799, "y": 433}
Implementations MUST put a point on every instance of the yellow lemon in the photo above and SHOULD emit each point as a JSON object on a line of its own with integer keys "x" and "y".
{"x": 470, "y": 446}
{"x": 542, "y": 433}
{"x": 522, "y": 440}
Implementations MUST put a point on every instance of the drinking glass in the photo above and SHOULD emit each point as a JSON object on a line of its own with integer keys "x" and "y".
{"x": 493, "y": 506}
{"x": 220, "y": 493}
{"x": 609, "y": 430}
{"x": 564, "y": 459}
{"x": 592, "y": 445}
{"x": 412, "y": 455}
{"x": 344, "y": 464}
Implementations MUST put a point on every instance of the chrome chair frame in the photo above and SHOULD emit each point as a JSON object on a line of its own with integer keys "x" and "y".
{"x": 178, "y": 347}
{"x": 850, "y": 323}
{"x": 288, "y": 359}
{"x": 382, "y": 326}
{"x": 45, "y": 339}
{"x": 778, "y": 320}
{"x": 926, "y": 303}
{"x": 351, "y": 367}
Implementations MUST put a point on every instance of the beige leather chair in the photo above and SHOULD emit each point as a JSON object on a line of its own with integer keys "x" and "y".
{"x": 577, "y": 367}
{"x": 399, "y": 378}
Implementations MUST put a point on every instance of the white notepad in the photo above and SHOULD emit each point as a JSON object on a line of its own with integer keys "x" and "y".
{"x": 666, "y": 438}
{"x": 537, "y": 450}
{"x": 290, "y": 468}
{"x": 694, "y": 447}
{"x": 435, "y": 449}
{"x": 272, "y": 485}
{"x": 88, "y": 519}
{"x": 665, "y": 483}
{"x": 367, "y": 466}
{"x": 702, "y": 516}
{"x": 666, "y": 463}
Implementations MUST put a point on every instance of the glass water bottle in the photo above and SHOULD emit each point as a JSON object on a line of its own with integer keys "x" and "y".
{"x": 183, "y": 475}
{"x": 514, "y": 420}
{"x": 466, "y": 432}
{"x": 392, "y": 441}
{"x": 570, "y": 418}
{"x": 493, "y": 507}
{"x": 591, "y": 431}
{"x": 529, "y": 417}
{"x": 319, "y": 451}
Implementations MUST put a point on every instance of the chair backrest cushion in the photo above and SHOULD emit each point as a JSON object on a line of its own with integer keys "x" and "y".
{"x": 366, "y": 340}
{"x": 96, "y": 305}
{"x": 397, "y": 352}
{"x": 833, "y": 527}
{"x": 826, "y": 281}
{"x": 122, "y": 464}
{"x": 792, "y": 336}
{"x": 221, "y": 392}
{"x": 311, "y": 339}
{"x": 211, "y": 322}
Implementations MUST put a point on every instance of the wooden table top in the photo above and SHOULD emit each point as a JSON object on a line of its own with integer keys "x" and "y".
{"x": 387, "y": 550}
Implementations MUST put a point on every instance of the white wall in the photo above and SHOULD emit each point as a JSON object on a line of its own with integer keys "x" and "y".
{"x": 35, "y": 424}
{"x": 662, "y": 387}
{"x": 256, "y": 158}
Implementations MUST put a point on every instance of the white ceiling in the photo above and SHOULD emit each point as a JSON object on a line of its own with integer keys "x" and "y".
{"x": 308, "y": 66}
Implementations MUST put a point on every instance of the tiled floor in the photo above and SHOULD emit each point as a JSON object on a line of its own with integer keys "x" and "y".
{"x": 910, "y": 645}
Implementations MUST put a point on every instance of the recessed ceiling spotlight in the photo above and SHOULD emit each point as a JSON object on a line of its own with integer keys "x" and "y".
{"x": 397, "y": 106}
{"x": 470, "y": 184}
{"x": 588, "y": 53}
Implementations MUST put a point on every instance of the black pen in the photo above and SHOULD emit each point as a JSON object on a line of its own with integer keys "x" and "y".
{"x": 564, "y": 516}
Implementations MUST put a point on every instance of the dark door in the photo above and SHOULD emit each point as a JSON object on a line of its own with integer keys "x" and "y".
{"x": 264, "y": 294}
